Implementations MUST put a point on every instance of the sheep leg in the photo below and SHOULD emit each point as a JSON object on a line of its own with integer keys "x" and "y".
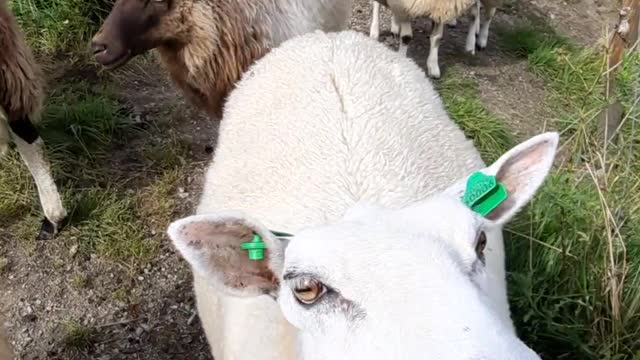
{"x": 432, "y": 61}
{"x": 395, "y": 26}
{"x": 474, "y": 27}
{"x": 453, "y": 22}
{"x": 484, "y": 32}
{"x": 31, "y": 149}
{"x": 5, "y": 136}
{"x": 406, "y": 35}
{"x": 374, "y": 29}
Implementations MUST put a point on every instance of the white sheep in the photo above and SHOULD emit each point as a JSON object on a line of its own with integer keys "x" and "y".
{"x": 380, "y": 283}
{"x": 319, "y": 124}
{"x": 441, "y": 12}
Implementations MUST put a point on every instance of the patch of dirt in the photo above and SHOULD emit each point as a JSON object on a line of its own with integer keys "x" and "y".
{"x": 585, "y": 21}
{"x": 150, "y": 314}
{"x": 118, "y": 313}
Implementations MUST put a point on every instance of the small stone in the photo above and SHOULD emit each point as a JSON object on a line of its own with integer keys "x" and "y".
{"x": 30, "y": 317}
{"x": 73, "y": 250}
{"x": 140, "y": 278}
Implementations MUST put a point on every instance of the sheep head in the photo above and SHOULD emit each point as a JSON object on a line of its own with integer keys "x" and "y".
{"x": 380, "y": 283}
{"x": 136, "y": 26}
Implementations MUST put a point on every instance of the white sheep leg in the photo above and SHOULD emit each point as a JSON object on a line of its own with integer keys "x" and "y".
{"x": 474, "y": 27}
{"x": 406, "y": 34}
{"x": 34, "y": 157}
{"x": 432, "y": 61}
{"x": 395, "y": 26}
{"x": 484, "y": 32}
{"x": 374, "y": 29}
{"x": 453, "y": 22}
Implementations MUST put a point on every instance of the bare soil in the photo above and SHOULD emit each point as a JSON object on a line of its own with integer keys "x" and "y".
{"x": 150, "y": 313}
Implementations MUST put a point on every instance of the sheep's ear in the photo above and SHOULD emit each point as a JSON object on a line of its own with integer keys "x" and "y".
{"x": 211, "y": 243}
{"x": 521, "y": 170}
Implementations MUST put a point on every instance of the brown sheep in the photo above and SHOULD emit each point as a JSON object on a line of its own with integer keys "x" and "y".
{"x": 207, "y": 45}
{"x": 21, "y": 96}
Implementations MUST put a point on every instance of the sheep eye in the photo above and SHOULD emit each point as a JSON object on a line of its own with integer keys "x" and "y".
{"x": 309, "y": 291}
{"x": 481, "y": 243}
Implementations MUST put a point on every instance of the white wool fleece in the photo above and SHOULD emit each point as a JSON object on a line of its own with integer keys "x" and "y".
{"x": 438, "y": 10}
{"x": 319, "y": 124}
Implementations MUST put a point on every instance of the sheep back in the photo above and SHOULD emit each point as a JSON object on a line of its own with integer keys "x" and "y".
{"x": 221, "y": 39}
{"x": 438, "y": 10}
{"x": 327, "y": 120}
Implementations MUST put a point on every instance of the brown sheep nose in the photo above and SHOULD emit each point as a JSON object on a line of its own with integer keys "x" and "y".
{"x": 98, "y": 47}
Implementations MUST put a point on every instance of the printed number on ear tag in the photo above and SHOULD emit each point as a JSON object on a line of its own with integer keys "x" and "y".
{"x": 255, "y": 247}
{"x": 484, "y": 193}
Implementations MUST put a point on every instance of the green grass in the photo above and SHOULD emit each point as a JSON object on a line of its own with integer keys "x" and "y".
{"x": 77, "y": 336}
{"x": 574, "y": 253}
{"x": 523, "y": 40}
{"x": 54, "y": 26}
{"x": 115, "y": 195}
{"x": 79, "y": 281}
{"x": 462, "y": 102}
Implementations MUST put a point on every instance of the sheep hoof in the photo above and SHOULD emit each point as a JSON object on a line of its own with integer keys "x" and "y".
{"x": 49, "y": 230}
{"x": 481, "y": 47}
{"x": 406, "y": 39}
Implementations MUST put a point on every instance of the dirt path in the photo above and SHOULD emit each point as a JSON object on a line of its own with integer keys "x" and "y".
{"x": 150, "y": 314}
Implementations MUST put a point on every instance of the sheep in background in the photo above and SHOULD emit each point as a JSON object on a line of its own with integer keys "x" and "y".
{"x": 321, "y": 123}
{"x": 440, "y": 12}
{"x": 21, "y": 95}
{"x": 380, "y": 283}
{"x": 207, "y": 45}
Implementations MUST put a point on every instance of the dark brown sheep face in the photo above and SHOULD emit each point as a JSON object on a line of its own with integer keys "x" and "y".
{"x": 133, "y": 27}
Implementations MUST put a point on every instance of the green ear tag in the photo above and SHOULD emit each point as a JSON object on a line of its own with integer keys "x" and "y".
{"x": 484, "y": 193}
{"x": 256, "y": 248}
